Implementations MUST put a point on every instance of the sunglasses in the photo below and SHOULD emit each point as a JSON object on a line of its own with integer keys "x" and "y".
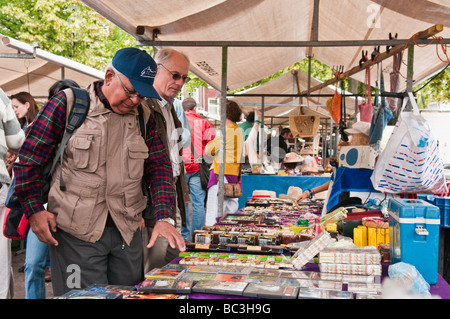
{"x": 128, "y": 92}
{"x": 176, "y": 76}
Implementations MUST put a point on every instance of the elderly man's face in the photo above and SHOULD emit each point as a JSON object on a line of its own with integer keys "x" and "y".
{"x": 164, "y": 83}
{"x": 121, "y": 95}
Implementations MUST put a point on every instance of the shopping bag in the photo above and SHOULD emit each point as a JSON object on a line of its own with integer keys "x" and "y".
{"x": 410, "y": 162}
{"x": 15, "y": 224}
{"x": 232, "y": 190}
{"x": 366, "y": 107}
{"x": 381, "y": 117}
{"x": 204, "y": 173}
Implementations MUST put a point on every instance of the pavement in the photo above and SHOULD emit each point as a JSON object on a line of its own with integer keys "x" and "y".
{"x": 18, "y": 260}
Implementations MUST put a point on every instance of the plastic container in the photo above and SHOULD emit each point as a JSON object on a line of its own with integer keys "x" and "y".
{"x": 414, "y": 235}
{"x": 443, "y": 203}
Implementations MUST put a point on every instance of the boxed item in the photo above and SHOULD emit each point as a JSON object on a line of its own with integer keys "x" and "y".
{"x": 414, "y": 235}
{"x": 362, "y": 156}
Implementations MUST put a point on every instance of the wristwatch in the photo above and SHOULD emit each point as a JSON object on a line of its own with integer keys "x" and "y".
{"x": 167, "y": 220}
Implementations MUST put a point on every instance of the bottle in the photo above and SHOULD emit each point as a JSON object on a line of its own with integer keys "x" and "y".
{"x": 317, "y": 229}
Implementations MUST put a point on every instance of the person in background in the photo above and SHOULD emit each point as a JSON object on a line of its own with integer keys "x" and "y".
{"x": 277, "y": 147}
{"x": 202, "y": 132}
{"x": 11, "y": 137}
{"x": 172, "y": 74}
{"x": 251, "y": 143}
{"x": 37, "y": 257}
{"x": 92, "y": 227}
{"x": 25, "y": 108}
{"x": 186, "y": 128}
{"x": 247, "y": 125}
{"x": 234, "y": 144}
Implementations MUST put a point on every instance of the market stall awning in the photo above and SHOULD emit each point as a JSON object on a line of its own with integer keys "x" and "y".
{"x": 265, "y": 36}
{"x": 279, "y": 106}
{"x": 25, "y": 68}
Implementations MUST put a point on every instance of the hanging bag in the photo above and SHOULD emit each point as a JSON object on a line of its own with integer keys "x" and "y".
{"x": 233, "y": 190}
{"x": 410, "y": 163}
{"x": 366, "y": 108}
{"x": 334, "y": 104}
{"x": 204, "y": 167}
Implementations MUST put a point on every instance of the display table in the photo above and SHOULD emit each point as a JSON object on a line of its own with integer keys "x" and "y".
{"x": 277, "y": 183}
{"x": 441, "y": 288}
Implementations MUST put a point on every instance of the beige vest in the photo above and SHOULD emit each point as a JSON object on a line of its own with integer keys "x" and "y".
{"x": 102, "y": 168}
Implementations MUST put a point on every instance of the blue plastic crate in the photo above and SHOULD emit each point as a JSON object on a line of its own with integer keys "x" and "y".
{"x": 428, "y": 198}
{"x": 443, "y": 203}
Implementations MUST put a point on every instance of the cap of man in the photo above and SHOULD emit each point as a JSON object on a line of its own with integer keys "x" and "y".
{"x": 140, "y": 69}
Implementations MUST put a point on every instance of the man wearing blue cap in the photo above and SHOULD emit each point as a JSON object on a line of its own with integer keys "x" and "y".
{"x": 92, "y": 226}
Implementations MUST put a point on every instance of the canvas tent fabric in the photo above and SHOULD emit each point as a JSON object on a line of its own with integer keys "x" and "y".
{"x": 278, "y": 105}
{"x": 37, "y": 74}
{"x": 250, "y": 21}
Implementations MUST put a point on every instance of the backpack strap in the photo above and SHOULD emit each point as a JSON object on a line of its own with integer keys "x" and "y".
{"x": 78, "y": 110}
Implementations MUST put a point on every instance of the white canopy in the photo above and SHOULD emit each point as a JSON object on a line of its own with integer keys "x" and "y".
{"x": 21, "y": 71}
{"x": 265, "y": 36}
{"x": 239, "y": 42}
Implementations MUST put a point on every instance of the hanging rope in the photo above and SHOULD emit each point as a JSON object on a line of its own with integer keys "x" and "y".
{"x": 433, "y": 39}
{"x": 27, "y": 64}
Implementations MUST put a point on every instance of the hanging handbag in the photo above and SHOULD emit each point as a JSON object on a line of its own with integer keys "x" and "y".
{"x": 366, "y": 107}
{"x": 204, "y": 167}
{"x": 233, "y": 190}
{"x": 410, "y": 162}
{"x": 334, "y": 106}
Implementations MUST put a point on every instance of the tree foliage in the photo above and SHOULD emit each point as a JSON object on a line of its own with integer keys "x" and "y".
{"x": 63, "y": 27}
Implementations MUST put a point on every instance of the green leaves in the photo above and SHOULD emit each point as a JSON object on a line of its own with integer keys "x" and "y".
{"x": 64, "y": 27}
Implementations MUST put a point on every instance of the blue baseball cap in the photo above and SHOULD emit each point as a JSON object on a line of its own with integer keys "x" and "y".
{"x": 140, "y": 69}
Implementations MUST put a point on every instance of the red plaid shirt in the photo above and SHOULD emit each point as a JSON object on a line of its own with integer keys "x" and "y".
{"x": 41, "y": 145}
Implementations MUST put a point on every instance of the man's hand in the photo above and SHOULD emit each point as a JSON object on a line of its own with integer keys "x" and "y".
{"x": 163, "y": 229}
{"x": 41, "y": 223}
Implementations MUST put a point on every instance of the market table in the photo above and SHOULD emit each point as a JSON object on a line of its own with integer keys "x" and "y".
{"x": 441, "y": 288}
{"x": 277, "y": 183}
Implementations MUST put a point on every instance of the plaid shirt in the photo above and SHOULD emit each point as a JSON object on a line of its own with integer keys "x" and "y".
{"x": 41, "y": 145}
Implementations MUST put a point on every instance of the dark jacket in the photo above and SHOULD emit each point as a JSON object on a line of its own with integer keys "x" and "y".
{"x": 182, "y": 188}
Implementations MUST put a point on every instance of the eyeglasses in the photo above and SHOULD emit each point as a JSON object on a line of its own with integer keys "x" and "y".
{"x": 128, "y": 93}
{"x": 176, "y": 76}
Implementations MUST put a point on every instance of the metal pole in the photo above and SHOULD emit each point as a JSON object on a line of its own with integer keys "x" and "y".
{"x": 410, "y": 75}
{"x": 262, "y": 139}
{"x": 223, "y": 116}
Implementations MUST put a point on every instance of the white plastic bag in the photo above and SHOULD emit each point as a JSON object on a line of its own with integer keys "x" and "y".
{"x": 410, "y": 163}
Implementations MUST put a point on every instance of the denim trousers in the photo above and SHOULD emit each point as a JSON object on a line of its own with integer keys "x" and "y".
{"x": 36, "y": 260}
{"x": 198, "y": 195}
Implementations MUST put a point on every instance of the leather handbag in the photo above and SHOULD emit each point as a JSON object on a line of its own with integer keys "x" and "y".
{"x": 233, "y": 190}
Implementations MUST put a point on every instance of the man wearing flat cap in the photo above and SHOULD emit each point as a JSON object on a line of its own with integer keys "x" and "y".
{"x": 93, "y": 226}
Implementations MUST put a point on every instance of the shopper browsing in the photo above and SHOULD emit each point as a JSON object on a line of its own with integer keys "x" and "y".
{"x": 92, "y": 226}
{"x": 173, "y": 67}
